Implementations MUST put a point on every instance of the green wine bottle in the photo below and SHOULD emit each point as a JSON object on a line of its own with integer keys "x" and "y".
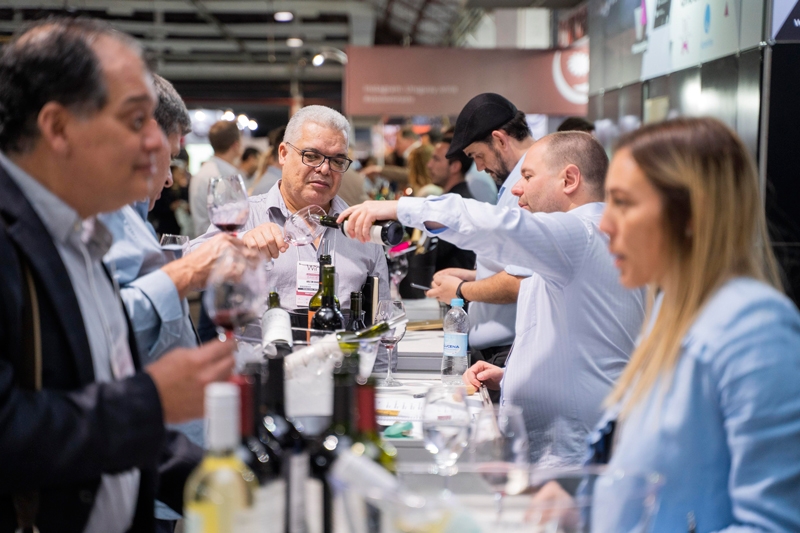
{"x": 328, "y": 317}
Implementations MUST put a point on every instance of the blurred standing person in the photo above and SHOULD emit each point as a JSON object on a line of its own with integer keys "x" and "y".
{"x": 576, "y": 124}
{"x": 226, "y": 140}
{"x": 395, "y": 164}
{"x": 170, "y": 212}
{"x": 352, "y": 189}
{"x": 419, "y": 180}
{"x": 248, "y": 164}
{"x": 269, "y": 168}
{"x": 711, "y": 397}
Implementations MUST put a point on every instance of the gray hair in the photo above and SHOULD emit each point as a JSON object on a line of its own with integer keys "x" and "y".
{"x": 171, "y": 113}
{"x": 318, "y": 114}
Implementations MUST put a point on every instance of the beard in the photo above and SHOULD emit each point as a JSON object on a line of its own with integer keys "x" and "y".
{"x": 501, "y": 173}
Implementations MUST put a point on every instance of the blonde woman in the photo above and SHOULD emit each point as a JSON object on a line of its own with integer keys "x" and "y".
{"x": 418, "y": 178}
{"x": 711, "y": 397}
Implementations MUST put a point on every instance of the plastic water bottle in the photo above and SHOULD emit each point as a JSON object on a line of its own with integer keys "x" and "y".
{"x": 456, "y": 333}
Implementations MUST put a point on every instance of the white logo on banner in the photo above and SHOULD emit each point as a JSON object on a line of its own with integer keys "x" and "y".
{"x": 576, "y": 91}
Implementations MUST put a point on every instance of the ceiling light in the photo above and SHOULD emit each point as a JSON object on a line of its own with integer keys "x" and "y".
{"x": 284, "y": 16}
{"x": 243, "y": 120}
{"x": 199, "y": 115}
{"x": 318, "y": 60}
{"x": 253, "y": 125}
{"x": 228, "y": 115}
{"x": 294, "y": 42}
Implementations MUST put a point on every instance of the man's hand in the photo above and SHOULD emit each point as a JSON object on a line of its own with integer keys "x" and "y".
{"x": 181, "y": 377}
{"x": 267, "y": 239}
{"x": 461, "y": 273}
{"x": 191, "y": 271}
{"x": 360, "y": 217}
{"x": 483, "y": 373}
{"x": 443, "y": 287}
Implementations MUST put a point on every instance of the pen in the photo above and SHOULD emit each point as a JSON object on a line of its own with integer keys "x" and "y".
{"x": 420, "y": 287}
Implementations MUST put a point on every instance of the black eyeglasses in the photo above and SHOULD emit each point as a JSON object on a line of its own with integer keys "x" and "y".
{"x": 315, "y": 159}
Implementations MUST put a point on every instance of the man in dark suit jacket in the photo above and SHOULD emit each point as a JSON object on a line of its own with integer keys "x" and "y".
{"x": 82, "y": 449}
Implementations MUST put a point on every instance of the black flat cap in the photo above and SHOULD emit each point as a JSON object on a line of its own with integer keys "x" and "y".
{"x": 479, "y": 118}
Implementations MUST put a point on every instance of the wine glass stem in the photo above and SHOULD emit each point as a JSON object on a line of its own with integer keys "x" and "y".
{"x": 498, "y": 502}
{"x": 389, "y": 363}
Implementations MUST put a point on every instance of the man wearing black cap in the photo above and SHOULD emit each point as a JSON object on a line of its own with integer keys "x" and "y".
{"x": 492, "y": 131}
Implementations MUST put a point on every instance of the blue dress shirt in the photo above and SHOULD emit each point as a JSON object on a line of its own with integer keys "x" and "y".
{"x": 724, "y": 428}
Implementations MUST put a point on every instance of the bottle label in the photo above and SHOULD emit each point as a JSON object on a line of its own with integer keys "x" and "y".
{"x": 200, "y": 517}
{"x": 271, "y": 500}
{"x": 455, "y": 344}
{"x": 375, "y": 233}
{"x": 276, "y": 326}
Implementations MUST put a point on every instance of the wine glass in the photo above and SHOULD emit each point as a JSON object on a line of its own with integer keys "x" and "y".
{"x": 174, "y": 246}
{"x": 499, "y": 449}
{"x": 388, "y": 310}
{"x": 398, "y": 269}
{"x": 235, "y": 291}
{"x": 228, "y": 207}
{"x": 445, "y": 427}
{"x": 302, "y": 227}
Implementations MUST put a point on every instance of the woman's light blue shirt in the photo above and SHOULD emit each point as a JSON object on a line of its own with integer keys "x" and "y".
{"x": 725, "y": 434}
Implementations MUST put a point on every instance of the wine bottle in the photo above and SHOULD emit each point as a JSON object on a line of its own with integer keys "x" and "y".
{"x": 263, "y": 460}
{"x": 275, "y": 427}
{"x": 316, "y": 301}
{"x": 339, "y": 434}
{"x": 220, "y": 494}
{"x": 327, "y": 317}
{"x": 388, "y": 232}
{"x": 276, "y": 325}
{"x": 368, "y": 441}
{"x": 356, "y": 322}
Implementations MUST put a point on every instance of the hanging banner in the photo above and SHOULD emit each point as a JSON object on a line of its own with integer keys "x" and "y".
{"x": 385, "y": 80}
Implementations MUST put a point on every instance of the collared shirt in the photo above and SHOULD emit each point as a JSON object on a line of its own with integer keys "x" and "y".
{"x": 576, "y": 324}
{"x": 354, "y": 261}
{"x": 160, "y": 318}
{"x": 81, "y": 245}
{"x": 198, "y": 190}
{"x": 723, "y": 428}
{"x": 493, "y": 324}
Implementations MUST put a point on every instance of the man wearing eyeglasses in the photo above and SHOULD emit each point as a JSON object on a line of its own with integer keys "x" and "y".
{"x": 314, "y": 156}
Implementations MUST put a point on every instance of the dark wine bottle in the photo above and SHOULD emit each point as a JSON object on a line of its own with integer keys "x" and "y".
{"x": 340, "y": 433}
{"x": 368, "y": 440}
{"x": 388, "y": 232}
{"x": 328, "y": 317}
{"x": 356, "y": 321}
{"x": 316, "y": 301}
{"x": 275, "y": 429}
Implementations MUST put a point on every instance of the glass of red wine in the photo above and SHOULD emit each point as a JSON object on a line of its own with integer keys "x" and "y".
{"x": 228, "y": 207}
{"x": 234, "y": 295}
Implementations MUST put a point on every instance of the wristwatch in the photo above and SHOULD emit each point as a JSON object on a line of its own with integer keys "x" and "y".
{"x": 458, "y": 292}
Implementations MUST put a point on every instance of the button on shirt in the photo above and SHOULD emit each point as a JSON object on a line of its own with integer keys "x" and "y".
{"x": 354, "y": 261}
{"x": 81, "y": 245}
{"x": 493, "y": 324}
{"x": 576, "y": 324}
{"x": 723, "y": 429}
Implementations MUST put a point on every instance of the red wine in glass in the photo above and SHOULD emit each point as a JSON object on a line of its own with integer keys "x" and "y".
{"x": 228, "y": 207}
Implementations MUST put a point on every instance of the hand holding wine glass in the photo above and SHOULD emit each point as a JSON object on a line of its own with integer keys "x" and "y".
{"x": 174, "y": 246}
{"x": 228, "y": 206}
{"x": 389, "y": 310}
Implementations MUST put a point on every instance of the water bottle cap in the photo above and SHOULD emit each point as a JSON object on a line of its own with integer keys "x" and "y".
{"x": 456, "y": 302}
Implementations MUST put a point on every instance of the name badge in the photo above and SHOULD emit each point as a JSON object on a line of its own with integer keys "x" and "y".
{"x": 307, "y": 282}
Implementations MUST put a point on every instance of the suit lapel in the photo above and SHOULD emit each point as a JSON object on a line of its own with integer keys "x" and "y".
{"x": 33, "y": 240}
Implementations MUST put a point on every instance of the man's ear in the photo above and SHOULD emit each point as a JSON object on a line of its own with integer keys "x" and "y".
{"x": 53, "y": 121}
{"x": 572, "y": 179}
{"x": 282, "y": 152}
{"x": 500, "y": 140}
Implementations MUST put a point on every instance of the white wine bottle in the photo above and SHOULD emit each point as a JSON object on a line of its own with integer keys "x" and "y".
{"x": 219, "y": 495}
{"x": 276, "y": 325}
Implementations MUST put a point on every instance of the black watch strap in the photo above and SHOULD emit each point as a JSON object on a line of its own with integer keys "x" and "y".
{"x": 458, "y": 292}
